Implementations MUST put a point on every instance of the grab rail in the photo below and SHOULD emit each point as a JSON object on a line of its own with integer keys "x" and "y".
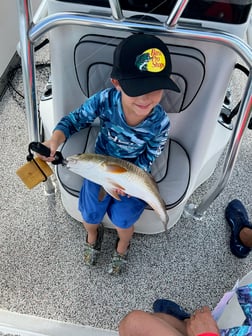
{"x": 29, "y": 33}
{"x": 172, "y": 20}
{"x": 73, "y": 18}
{"x": 28, "y": 68}
{"x": 176, "y": 13}
{"x": 231, "y": 155}
{"x": 116, "y": 10}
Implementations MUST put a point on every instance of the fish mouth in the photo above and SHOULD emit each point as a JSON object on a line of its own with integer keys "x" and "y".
{"x": 70, "y": 161}
{"x": 64, "y": 163}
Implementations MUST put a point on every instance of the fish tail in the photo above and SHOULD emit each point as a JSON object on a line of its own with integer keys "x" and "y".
{"x": 165, "y": 223}
{"x": 166, "y": 235}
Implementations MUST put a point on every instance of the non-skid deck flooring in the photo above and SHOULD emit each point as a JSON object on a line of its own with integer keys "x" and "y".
{"x": 41, "y": 264}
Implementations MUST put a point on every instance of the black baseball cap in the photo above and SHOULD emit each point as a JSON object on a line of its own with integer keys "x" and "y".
{"x": 142, "y": 64}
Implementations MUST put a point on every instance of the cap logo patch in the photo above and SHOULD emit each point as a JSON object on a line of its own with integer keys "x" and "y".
{"x": 151, "y": 60}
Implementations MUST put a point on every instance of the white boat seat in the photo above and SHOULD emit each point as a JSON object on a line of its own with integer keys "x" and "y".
{"x": 93, "y": 56}
{"x": 171, "y": 170}
{"x": 202, "y": 67}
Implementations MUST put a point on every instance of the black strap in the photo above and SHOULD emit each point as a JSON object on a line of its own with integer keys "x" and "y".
{"x": 30, "y": 157}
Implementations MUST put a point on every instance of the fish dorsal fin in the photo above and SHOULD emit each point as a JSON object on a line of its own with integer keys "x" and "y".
{"x": 115, "y": 168}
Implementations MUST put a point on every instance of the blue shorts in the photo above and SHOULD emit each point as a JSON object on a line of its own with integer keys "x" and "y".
{"x": 122, "y": 213}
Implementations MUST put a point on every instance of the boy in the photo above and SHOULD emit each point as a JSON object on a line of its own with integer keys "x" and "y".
{"x": 133, "y": 126}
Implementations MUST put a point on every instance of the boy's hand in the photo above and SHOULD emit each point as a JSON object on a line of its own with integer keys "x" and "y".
{"x": 52, "y": 145}
{"x": 57, "y": 138}
{"x": 120, "y": 192}
{"x": 201, "y": 322}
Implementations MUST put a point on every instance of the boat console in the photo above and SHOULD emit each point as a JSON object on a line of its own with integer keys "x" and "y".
{"x": 233, "y": 12}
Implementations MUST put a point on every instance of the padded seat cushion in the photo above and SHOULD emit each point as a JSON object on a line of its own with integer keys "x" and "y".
{"x": 171, "y": 170}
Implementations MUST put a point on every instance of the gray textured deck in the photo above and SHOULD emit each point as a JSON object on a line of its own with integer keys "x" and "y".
{"x": 41, "y": 267}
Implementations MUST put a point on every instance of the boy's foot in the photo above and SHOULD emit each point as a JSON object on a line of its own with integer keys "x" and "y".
{"x": 171, "y": 308}
{"x": 118, "y": 261}
{"x": 91, "y": 251}
{"x": 237, "y": 218}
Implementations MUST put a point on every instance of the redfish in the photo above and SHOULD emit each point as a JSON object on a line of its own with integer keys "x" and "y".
{"x": 113, "y": 174}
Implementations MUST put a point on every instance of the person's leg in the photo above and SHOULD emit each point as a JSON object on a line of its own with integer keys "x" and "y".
{"x": 92, "y": 211}
{"x": 123, "y": 215}
{"x": 139, "y": 323}
{"x": 92, "y": 247}
{"x": 91, "y": 231}
{"x": 246, "y": 237}
{"x": 120, "y": 256}
{"x": 124, "y": 236}
{"x": 241, "y": 229}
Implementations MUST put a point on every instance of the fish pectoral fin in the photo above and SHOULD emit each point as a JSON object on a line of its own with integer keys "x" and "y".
{"x": 115, "y": 168}
{"x": 112, "y": 192}
{"x": 111, "y": 189}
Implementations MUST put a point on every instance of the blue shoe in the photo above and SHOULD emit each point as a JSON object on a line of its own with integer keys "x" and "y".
{"x": 171, "y": 308}
{"x": 237, "y": 218}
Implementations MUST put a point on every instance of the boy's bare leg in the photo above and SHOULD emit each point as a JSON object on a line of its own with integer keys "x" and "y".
{"x": 91, "y": 231}
{"x": 139, "y": 323}
{"x": 125, "y": 236}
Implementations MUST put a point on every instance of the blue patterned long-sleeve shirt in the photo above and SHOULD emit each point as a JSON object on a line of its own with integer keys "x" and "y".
{"x": 140, "y": 144}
